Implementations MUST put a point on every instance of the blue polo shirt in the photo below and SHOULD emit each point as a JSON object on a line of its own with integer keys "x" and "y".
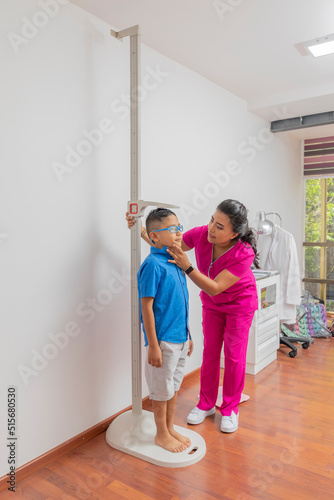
{"x": 167, "y": 284}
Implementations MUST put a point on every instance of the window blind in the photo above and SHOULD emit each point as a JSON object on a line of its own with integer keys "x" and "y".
{"x": 319, "y": 157}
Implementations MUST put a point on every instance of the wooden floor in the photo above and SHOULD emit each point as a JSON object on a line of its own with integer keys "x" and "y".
{"x": 284, "y": 448}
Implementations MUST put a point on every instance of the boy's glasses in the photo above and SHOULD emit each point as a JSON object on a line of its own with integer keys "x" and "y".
{"x": 171, "y": 229}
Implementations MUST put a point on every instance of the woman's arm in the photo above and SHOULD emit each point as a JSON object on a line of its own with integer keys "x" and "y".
{"x": 145, "y": 236}
{"x": 131, "y": 221}
{"x": 222, "y": 281}
{"x": 184, "y": 247}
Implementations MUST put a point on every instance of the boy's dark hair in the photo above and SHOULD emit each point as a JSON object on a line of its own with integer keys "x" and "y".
{"x": 156, "y": 217}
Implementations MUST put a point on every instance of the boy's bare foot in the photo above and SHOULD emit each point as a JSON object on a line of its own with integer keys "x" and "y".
{"x": 179, "y": 437}
{"x": 170, "y": 443}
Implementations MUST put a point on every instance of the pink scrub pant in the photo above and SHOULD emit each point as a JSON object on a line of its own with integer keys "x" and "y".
{"x": 233, "y": 331}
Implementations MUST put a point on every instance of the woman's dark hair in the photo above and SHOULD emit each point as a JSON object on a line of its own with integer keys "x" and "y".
{"x": 237, "y": 213}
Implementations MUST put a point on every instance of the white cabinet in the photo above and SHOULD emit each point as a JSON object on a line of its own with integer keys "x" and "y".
{"x": 264, "y": 334}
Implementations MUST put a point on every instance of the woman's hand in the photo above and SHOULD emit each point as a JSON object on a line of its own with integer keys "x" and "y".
{"x": 131, "y": 220}
{"x": 179, "y": 257}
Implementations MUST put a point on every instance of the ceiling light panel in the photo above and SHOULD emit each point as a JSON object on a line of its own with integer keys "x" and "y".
{"x": 321, "y": 46}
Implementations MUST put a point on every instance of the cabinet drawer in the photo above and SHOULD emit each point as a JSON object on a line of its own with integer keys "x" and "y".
{"x": 266, "y": 334}
{"x": 266, "y": 326}
{"x": 267, "y": 347}
{"x": 267, "y": 312}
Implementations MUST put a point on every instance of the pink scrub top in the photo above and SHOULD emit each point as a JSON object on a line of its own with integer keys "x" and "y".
{"x": 239, "y": 298}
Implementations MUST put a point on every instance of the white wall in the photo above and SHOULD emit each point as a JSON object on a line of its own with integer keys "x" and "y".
{"x": 64, "y": 247}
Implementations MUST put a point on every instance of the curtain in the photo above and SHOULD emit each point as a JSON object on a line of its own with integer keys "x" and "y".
{"x": 319, "y": 157}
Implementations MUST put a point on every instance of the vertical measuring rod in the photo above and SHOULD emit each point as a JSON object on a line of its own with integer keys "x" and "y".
{"x": 135, "y": 195}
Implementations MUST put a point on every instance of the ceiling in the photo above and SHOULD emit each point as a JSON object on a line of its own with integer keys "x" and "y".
{"x": 249, "y": 47}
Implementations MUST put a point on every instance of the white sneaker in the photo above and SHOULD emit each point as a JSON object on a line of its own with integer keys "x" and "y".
{"x": 197, "y": 416}
{"x": 230, "y": 423}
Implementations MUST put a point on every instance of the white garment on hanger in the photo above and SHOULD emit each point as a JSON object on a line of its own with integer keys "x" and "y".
{"x": 278, "y": 252}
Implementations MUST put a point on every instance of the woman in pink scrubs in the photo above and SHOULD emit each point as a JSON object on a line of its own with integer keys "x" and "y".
{"x": 225, "y": 249}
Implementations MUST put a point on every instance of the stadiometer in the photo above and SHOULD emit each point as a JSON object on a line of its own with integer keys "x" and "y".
{"x": 133, "y": 431}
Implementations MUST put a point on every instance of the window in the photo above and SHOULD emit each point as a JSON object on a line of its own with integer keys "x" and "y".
{"x": 319, "y": 219}
{"x": 319, "y": 239}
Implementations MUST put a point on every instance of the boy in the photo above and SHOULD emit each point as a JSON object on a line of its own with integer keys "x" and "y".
{"x": 164, "y": 308}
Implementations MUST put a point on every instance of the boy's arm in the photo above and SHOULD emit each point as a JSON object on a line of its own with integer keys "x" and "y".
{"x": 191, "y": 347}
{"x": 154, "y": 351}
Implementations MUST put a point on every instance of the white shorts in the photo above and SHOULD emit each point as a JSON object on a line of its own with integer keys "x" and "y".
{"x": 164, "y": 381}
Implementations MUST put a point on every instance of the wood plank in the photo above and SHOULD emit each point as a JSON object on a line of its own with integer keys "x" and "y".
{"x": 283, "y": 448}
{"x": 58, "y": 451}
{"x": 51, "y": 491}
{"x": 124, "y": 491}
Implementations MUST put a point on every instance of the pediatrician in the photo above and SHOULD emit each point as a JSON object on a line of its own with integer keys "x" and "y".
{"x": 225, "y": 249}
